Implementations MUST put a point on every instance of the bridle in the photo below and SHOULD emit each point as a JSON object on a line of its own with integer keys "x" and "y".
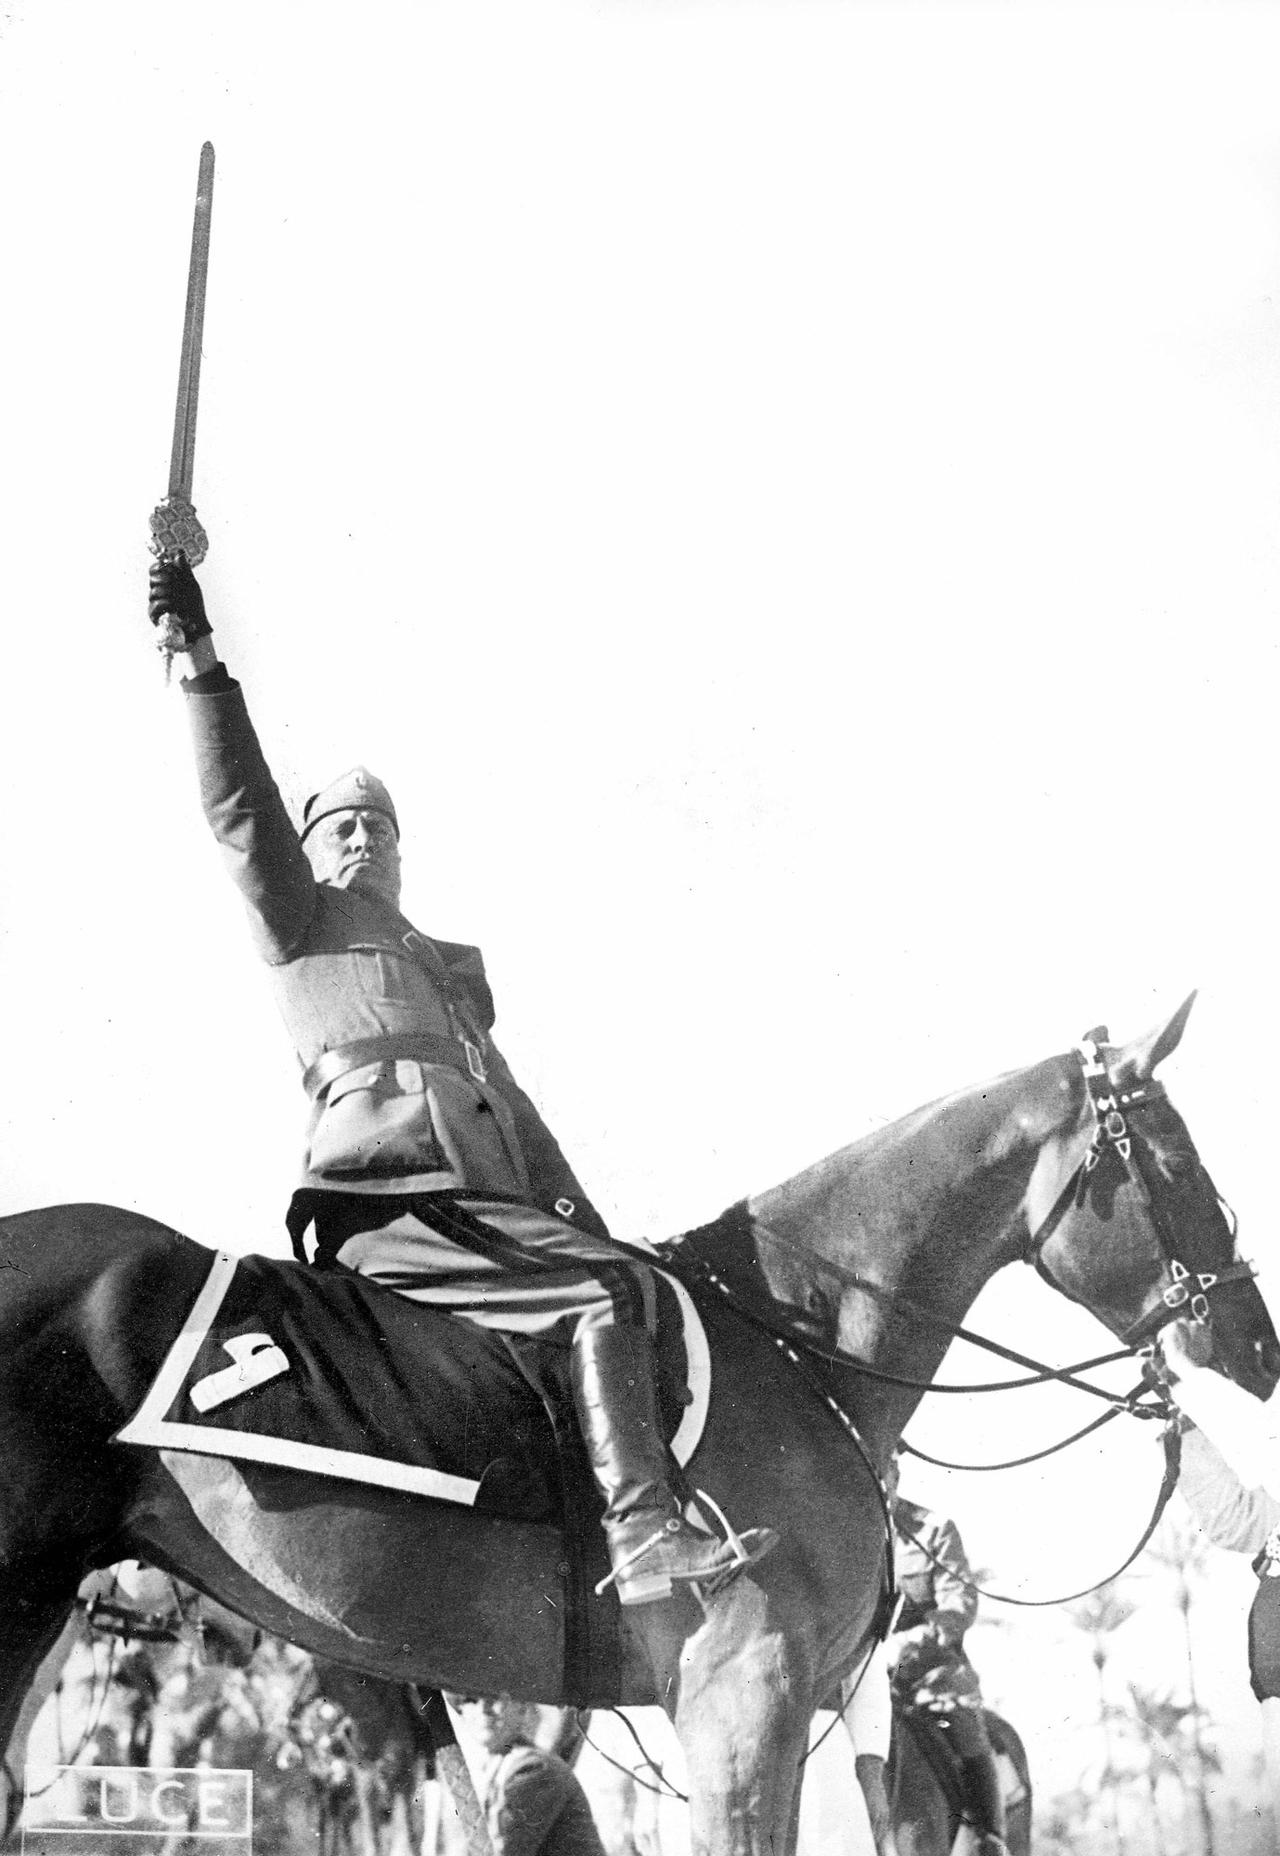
{"x": 1184, "y": 1292}
{"x": 1181, "y": 1291}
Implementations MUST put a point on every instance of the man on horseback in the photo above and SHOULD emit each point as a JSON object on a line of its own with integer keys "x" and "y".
{"x": 930, "y": 1671}
{"x": 427, "y": 1167}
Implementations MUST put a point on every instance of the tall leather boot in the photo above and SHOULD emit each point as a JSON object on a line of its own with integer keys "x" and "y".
{"x": 984, "y": 1799}
{"x": 651, "y": 1546}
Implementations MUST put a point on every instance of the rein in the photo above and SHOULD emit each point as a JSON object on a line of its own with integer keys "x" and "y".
{"x": 663, "y": 1789}
{"x": 1172, "y": 1441}
{"x": 1036, "y": 1456}
{"x": 782, "y": 1330}
{"x": 1111, "y": 1131}
{"x": 787, "y": 1345}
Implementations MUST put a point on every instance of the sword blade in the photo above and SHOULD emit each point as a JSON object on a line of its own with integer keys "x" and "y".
{"x": 182, "y": 458}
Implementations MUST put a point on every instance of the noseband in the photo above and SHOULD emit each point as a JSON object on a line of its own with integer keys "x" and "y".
{"x": 1186, "y": 1292}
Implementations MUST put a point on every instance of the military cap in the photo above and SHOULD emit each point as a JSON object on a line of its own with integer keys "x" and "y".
{"x": 358, "y": 790}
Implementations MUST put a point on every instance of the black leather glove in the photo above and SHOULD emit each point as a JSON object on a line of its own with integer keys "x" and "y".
{"x": 175, "y": 594}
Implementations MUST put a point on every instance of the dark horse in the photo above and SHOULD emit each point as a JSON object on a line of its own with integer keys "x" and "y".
{"x": 872, "y": 1256}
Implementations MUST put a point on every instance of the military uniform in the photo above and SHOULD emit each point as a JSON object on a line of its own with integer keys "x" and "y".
{"x": 392, "y": 1028}
{"x": 426, "y": 1165}
{"x": 930, "y": 1668}
{"x": 939, "y": 1604}
{"x": 534, "y": 1806}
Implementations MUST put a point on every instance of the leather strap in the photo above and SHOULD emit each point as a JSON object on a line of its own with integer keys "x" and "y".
{"x": 331, "y": 1064}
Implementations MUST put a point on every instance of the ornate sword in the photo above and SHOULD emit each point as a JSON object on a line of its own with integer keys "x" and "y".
{"x": 175, "y": 528}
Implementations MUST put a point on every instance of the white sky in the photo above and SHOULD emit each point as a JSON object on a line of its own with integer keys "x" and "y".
{"x": 785, "y": 496}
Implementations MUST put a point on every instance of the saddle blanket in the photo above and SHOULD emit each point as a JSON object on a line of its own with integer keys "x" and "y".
{"x": 324, "y": 1371}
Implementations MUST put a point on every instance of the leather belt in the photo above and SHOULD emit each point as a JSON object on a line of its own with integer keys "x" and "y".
{"x": 331, "y": 1064}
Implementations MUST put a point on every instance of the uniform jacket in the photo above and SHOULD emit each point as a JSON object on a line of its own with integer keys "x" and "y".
{"x": 534, "y": 1806}
{"x": 346, "y": 967}
{"x": 939, "y": 1605}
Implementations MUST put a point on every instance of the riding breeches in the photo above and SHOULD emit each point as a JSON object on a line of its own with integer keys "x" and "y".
{"x": 496, "y": 1262}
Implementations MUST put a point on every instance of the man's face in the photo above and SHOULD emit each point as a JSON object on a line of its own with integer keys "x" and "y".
{"x": 357, "y": 849}
{"x": 495, "y": 1724}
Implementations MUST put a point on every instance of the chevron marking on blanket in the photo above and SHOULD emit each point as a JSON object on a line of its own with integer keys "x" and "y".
{"x": 322, "y": 1371}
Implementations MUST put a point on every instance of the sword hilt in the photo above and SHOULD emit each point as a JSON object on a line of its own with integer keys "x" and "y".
{"x": 175, "y": 529}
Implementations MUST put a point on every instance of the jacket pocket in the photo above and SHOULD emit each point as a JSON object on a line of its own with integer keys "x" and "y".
{"x": 377, "y": 1120}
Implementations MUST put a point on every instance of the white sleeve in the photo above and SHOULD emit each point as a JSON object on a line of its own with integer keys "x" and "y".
{"x": 1231, "y": 1516}
{"x": 1240, "y": 1427}
{"x": 867, "y": 1709}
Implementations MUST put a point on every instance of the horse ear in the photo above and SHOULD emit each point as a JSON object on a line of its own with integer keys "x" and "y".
{"x": 1137, "y": 1062}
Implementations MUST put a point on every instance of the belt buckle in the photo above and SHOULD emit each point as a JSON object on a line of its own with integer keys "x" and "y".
{"x": 475, "y": 1062}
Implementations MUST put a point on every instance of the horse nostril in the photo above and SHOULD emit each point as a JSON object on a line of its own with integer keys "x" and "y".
{"x": 1266, "y": 1353}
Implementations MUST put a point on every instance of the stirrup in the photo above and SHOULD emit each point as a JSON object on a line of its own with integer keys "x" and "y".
{"x": 746, "y": 1549}
{"x": 671, "y": 1526}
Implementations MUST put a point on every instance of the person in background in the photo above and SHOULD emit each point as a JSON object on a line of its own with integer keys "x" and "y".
{"x": 866, "y": 1708}
{"x": 1230, "y": 1480}
{"x": 928, "y": 1667}
{"x": 533, "y": 1804}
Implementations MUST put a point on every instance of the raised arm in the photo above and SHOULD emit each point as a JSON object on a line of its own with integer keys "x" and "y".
{"x": 240, "y": 798}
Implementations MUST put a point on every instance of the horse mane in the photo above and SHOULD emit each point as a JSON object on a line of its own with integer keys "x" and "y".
{"x": 788, "y": 1256}
{"x": 974, "y": 1129}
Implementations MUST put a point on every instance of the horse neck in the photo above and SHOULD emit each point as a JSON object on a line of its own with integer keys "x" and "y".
{"x": 925, "y": 1210}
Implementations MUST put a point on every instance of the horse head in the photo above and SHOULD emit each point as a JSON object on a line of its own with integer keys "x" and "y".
{"x": 1079, "y": 1164}
{"x": 1123, "y": 1216}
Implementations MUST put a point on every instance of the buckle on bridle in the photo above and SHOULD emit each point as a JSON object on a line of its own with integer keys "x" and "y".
{"x": 1108, "y": 1100}
{"x": 1207, "y": 1279}
{"x": 1180, "y": 1295}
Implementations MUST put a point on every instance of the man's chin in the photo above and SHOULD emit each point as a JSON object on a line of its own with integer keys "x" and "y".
{"x": 367, "y": 882}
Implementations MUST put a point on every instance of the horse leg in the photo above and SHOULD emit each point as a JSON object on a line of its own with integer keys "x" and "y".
{"x": 743, "y": 1720}
{"x": 33, "y": 1616}
{"x": 744, "y": 1752}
